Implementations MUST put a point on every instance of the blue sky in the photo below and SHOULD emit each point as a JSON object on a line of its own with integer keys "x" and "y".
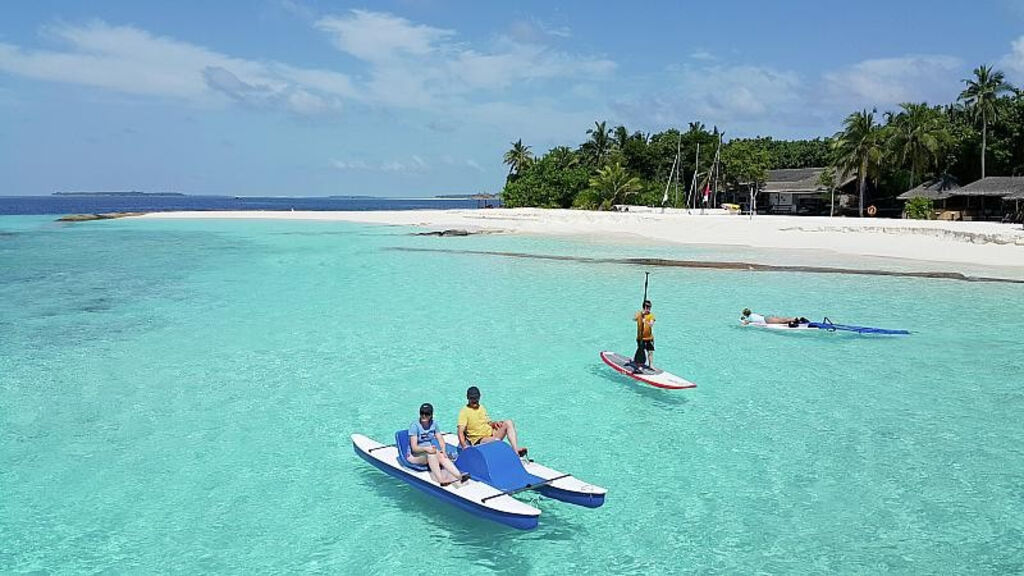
{"x": 422, "y": 97}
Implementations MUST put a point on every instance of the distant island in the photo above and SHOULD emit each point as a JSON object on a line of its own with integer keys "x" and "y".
{"x": 355, "y": 197}
{"x": 131, "y": 193}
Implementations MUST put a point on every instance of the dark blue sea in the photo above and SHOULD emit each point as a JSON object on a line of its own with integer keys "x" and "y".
{"x": 94, "y": 204}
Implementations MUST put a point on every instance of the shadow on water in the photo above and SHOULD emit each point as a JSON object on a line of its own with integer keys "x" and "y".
{"x": 657, "y": 395}
{"x": 485, "y": 543}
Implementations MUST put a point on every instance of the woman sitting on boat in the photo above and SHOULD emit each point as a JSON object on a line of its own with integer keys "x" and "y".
{"x": 427, "y": 447}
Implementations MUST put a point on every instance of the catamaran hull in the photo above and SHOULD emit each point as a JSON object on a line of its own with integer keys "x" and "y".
{"x": 470, "y": 501}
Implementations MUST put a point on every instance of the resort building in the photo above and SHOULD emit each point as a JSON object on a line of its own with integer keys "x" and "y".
{"x": 799, "y": 191}
{"x": 991, "y": 198}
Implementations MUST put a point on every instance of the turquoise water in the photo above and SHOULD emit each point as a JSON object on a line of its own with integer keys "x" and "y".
{"x": 177, "y": 397}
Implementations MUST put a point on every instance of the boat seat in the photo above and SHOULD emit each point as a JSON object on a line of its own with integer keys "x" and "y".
{"x": 404, "y": 447}
{"x": 497, "y": 464}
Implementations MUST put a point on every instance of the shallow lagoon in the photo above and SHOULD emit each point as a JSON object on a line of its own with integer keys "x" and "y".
{"x": 178, "y": 397}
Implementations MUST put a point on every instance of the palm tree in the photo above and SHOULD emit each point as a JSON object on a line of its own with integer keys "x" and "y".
{"x": 563, "y": 157}
{"x": 600, "y": 142}
{"x": 621, "y": 136}
{"x": 920, "y": 137}
{"x": 858, "y": 148}
{"x": 518, "y": 158}
{"x": 613, "y": 184}
{"x": 980, "y": 96}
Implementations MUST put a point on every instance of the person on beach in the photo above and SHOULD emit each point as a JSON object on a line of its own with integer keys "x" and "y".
{"x": 644, "y": 336}
{"x": 427, "y": 446}
{"x": 475, "y": 427}
{"x": 749, "y": 317}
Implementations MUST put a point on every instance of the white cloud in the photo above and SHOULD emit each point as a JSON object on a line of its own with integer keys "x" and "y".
{"x": 738, "y": 97}
{"x": 536, "y": 31}
{"x": 400, "y": 64}
{"x": 450, "y": 160}
{"x": 418, "y": 66}
{"x": 414, "y": 164}
{"x": 350, "y": 165}
{"x": 886, "y": 82}
{"x": 133, "y": 61}
{"x": 740, "y": 92}
{"x": 748, "y": 100}
{"x": 1014, "y": 61}
{"x": 375, "y": 37}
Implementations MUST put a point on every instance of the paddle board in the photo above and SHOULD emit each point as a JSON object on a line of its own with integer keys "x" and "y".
{"x": 656, "y": 378}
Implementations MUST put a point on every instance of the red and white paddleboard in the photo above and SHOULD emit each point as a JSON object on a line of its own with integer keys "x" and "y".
{"x": 656, "y": 378}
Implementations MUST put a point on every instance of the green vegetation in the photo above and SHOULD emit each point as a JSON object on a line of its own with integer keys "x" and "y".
{"x": 889, "y": 153}
{"x": 919, "y": 209}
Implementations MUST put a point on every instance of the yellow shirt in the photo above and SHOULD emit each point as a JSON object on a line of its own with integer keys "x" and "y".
{"x": 644, "y": 330}
{"x": 475, "y": 423}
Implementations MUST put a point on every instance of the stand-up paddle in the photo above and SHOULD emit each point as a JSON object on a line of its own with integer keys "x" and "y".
{"x": 640, "y": 356}
{"x": 637, "y": 368}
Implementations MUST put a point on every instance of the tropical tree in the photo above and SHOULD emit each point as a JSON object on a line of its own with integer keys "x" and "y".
{"x": 612, "y": 184}
{"x": 858, "y": 148}
{"x": 827, "y": 179}
{"x": 599, "y": 145}
{"x": 518, "y": 158}
{"x": 563, "y": 157}
{"x": 620, "y": 136}
{"x": 920, "y": 137}
{"x": 980, "y": 96}
{"x": 553, "y": 181}
{"x": 746, "y": 163}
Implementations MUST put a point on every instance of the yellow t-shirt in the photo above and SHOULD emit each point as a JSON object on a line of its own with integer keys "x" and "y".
{"x": 644, "y": 331}
{"x": 475, "y": 422}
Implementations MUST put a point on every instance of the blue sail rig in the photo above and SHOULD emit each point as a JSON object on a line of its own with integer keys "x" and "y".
{"x": 827, "y": 325}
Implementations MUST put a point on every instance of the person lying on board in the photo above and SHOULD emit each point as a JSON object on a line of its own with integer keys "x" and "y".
{"x": 749, "y": 317}
{"x": 427, "y": 447}
{"x": 644, "y": 357}
{"x": 475, "y": 427}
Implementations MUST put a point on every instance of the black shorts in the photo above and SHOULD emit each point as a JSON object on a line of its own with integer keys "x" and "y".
{"x": 646, "y": 345}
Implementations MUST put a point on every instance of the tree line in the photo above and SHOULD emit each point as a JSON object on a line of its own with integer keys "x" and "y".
{"x": 980, "y": 134}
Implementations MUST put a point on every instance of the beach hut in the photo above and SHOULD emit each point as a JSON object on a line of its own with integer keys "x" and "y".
{"x": 991, "y": 198}
{"x": 939, "y": 190}
{"x": 799, "y": 190}
{"x": 1017, "y": 199}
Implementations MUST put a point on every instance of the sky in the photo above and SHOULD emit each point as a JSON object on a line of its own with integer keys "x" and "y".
{"x": 422, "y": 97}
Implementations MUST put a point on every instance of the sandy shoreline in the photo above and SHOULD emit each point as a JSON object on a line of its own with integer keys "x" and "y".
{"x": 957, "y": 244}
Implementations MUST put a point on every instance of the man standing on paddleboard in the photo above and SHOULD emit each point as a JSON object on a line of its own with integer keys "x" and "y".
{"x": 645, "y": 335}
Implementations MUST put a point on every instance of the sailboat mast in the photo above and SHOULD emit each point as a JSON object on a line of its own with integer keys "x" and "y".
{"x": 679, "y": 152}
{"x": 717, "y": 170}
{"x": 691, "y": 197}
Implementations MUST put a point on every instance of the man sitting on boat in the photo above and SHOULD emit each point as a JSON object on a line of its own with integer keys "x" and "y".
{"x": 749, "y": 317}
{"x": 475, "y": 427}
{"x": 427, "y": 447}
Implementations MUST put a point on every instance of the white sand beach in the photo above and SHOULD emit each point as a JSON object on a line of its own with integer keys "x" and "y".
{"x": 958, "y": 244}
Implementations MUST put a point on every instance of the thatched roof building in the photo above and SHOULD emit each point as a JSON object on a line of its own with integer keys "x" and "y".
{"x": 994, "y": 187}
{"x": 800, "y": 181}
{"x": 938, "y": 189}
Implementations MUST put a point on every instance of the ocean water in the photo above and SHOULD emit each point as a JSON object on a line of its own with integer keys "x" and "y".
{"x": 178, "y": 396}
{"x": 91, "y": 204}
